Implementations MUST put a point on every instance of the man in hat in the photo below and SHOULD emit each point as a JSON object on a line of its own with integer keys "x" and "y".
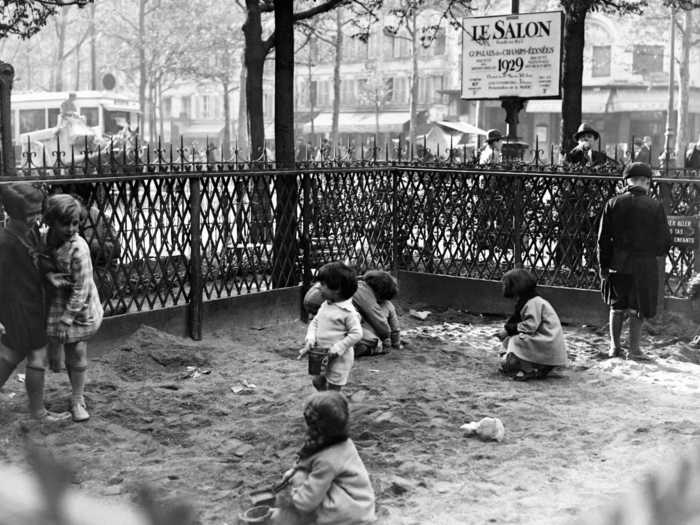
{"x": 644, "y": 152}
{"x": 692, "y": 156}
{"x": 491, "y": 154}
{"x": 583, "y": 154}
{"x": 633, "y": 233}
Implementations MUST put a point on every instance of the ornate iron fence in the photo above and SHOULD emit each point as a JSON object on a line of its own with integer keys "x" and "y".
{"x": 188, "y": 227}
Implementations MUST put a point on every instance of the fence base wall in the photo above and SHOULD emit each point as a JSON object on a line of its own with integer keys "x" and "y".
{"x": 480, "y": 296}
{"x": 233, "y": 313}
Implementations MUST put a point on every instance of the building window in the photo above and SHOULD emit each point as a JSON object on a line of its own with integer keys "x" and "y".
{"x": 648, "y": 59}
{"x": 601, "y": 61}
{"x": 400, "y": 90}
{"x": 438, "y": 44}
{"x": 355, "y": 49}
{"x": 429, "y": 89}
{"x": 92, "y": 116}
{"x": 53, "y": 117}
{"x": 186, "y": 107}
{"x": 402, "y": 47}
{"x": 347, "y": 95}
{"x": 31, "y": 120}
{"x": 323, "y": 95}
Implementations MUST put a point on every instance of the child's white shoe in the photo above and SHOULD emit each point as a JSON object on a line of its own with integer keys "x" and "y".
{"x": 79, "y": 411}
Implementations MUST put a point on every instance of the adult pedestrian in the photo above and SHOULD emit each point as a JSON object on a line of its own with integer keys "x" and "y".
{"x": 23, "y": 308}
{"x": 491, "y": 154}
{"x": 583, "y": 155}
{"x": 643, "y": 154}
{"x": 633, "y": 233}
{"x": 692, "y": 156}
{"x": 578, "y": 204}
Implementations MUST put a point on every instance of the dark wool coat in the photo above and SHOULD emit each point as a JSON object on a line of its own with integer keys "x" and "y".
{"x": 633, "y": 232}
{"x": 23, "y": 306}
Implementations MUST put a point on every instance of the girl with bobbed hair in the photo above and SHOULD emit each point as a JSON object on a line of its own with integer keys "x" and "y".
{"x": 532, "y": 337}
{"x": 76, "y": 312}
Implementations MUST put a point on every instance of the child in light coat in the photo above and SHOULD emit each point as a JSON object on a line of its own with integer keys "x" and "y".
{"x": 329, "y": 483}
{"x": 336, "y": 326}
{"x": 532, "y": 337}
{"x": 76, "y": 312}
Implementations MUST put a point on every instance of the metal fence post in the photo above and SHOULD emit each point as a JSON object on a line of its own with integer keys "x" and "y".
{"x": 395, "y": 221}
{"x": 517, "y": 221}
{"x": 7, "y": 75}
{"x": 196, "y": 289}
{"x": 305, "y": 241}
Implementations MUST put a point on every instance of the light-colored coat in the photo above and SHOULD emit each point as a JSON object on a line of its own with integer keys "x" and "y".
{"x": 337, "y": 489}
{"x": 337, "y": 327}
{"x": 540, "y": 338}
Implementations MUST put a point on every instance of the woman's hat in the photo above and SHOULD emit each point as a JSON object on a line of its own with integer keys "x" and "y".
{"x": 21, "y": 199}
{"x": 637, "y": 169}
{"x": 584, "y": 128}
{"x": 493, "y": 135}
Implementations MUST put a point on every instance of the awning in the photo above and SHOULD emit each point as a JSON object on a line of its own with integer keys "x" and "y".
{"x": 360, "y": 122}
{"x": 640, "y": 99}
{"x": 591, "y": 102}
{"x": 461, "y": 127}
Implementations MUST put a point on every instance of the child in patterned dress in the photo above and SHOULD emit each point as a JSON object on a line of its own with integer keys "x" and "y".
{"x": 336, "y": 326}
{"x": 75, "y": 312}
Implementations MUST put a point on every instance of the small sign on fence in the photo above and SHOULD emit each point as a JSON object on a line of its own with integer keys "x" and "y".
{"x": 683, "y": 229}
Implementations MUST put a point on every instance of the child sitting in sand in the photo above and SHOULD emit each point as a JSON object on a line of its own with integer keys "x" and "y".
{"x": 329, "y": 483}
{"x": 532, "y": 337}
{"x": 372, "y": 299}
{"x": 336, "y": 326}
{"x": 385, "y": 289}
{"x": 75, "y": 313}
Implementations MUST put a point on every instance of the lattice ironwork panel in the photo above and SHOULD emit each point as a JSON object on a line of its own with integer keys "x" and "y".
{"x": 138, "y": 232}
{"x": 350, "y": 218}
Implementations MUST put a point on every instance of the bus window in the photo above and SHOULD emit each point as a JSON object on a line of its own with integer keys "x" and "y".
{"x": 53, "y": 117}
{"x": 31, "y": 120}
{"x": 113, "y": 119}
{"x": 92, "y": 116}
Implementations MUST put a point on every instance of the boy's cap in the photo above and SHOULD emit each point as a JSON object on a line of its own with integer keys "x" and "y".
{"x": 637, "y": 169}
{"x": 21, "y": 199}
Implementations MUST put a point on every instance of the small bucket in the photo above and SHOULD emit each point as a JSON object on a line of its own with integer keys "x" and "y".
{"x": 257, "y": 514}
{"x": 318, "y": 361}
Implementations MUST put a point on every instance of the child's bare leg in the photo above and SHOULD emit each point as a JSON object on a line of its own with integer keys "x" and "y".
{"x": 76, "y": 365}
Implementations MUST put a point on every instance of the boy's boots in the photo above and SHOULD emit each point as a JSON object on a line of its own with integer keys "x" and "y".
{"x": 635, "y": 339}
{"x": 616, "y": 319}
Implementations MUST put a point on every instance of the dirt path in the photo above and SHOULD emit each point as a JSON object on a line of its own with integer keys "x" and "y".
{"x": 573, "y": 443}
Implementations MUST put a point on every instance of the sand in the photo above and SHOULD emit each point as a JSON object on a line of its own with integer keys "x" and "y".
{"x": 207, "y": 422}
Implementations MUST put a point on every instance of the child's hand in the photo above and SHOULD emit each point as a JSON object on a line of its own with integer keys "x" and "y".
{"x": 335, "y": 351}
{"x": 62, "y": 334}
{"x": 2, "y": 329}
{"x": 501, "y": 334}
{"x": 304, "y": 351}
{"x": 58, "y": 280}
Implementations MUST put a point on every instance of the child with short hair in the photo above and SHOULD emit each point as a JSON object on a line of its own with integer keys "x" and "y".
{"x": 329, "y": 482}
{"x": 75, "y": 313}
{"x": 336, "y": 326}
{"x": 385, "y": 288}
{"x": 532, "y": 337}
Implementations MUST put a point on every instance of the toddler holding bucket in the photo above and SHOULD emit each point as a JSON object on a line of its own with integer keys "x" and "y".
{"x": 329, "y": 483}
{"x": 334, "y": 330}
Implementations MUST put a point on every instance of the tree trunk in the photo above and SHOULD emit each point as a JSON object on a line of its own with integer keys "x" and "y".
{"x": 242, "y": 129}
{"x": 226, "y": 146}
{"x": 142, "y": 65}
{"x": 572, "y": 74}
{"x": 60, "y": 50}
{"x": 77, "y": 67}
{"x": 312, "y": 95}
{"x": 683, "y": 88}
{"x": 161, "y": 111}
{"x": 254, "y": 63}
{"x": 414, "y": 80}
{"x": 93, "y": 50}
{"x": 284, "y": 249}
{"x": 336, "y": 76}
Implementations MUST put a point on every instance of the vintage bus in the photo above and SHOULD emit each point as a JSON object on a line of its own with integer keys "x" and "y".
{"x": 36, "y": 115}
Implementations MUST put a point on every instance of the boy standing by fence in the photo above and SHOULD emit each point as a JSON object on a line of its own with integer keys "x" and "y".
{"x": 633, "y": 233}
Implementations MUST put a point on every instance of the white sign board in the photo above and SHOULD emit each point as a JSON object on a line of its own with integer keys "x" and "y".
{"x": 512, "y": 56}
